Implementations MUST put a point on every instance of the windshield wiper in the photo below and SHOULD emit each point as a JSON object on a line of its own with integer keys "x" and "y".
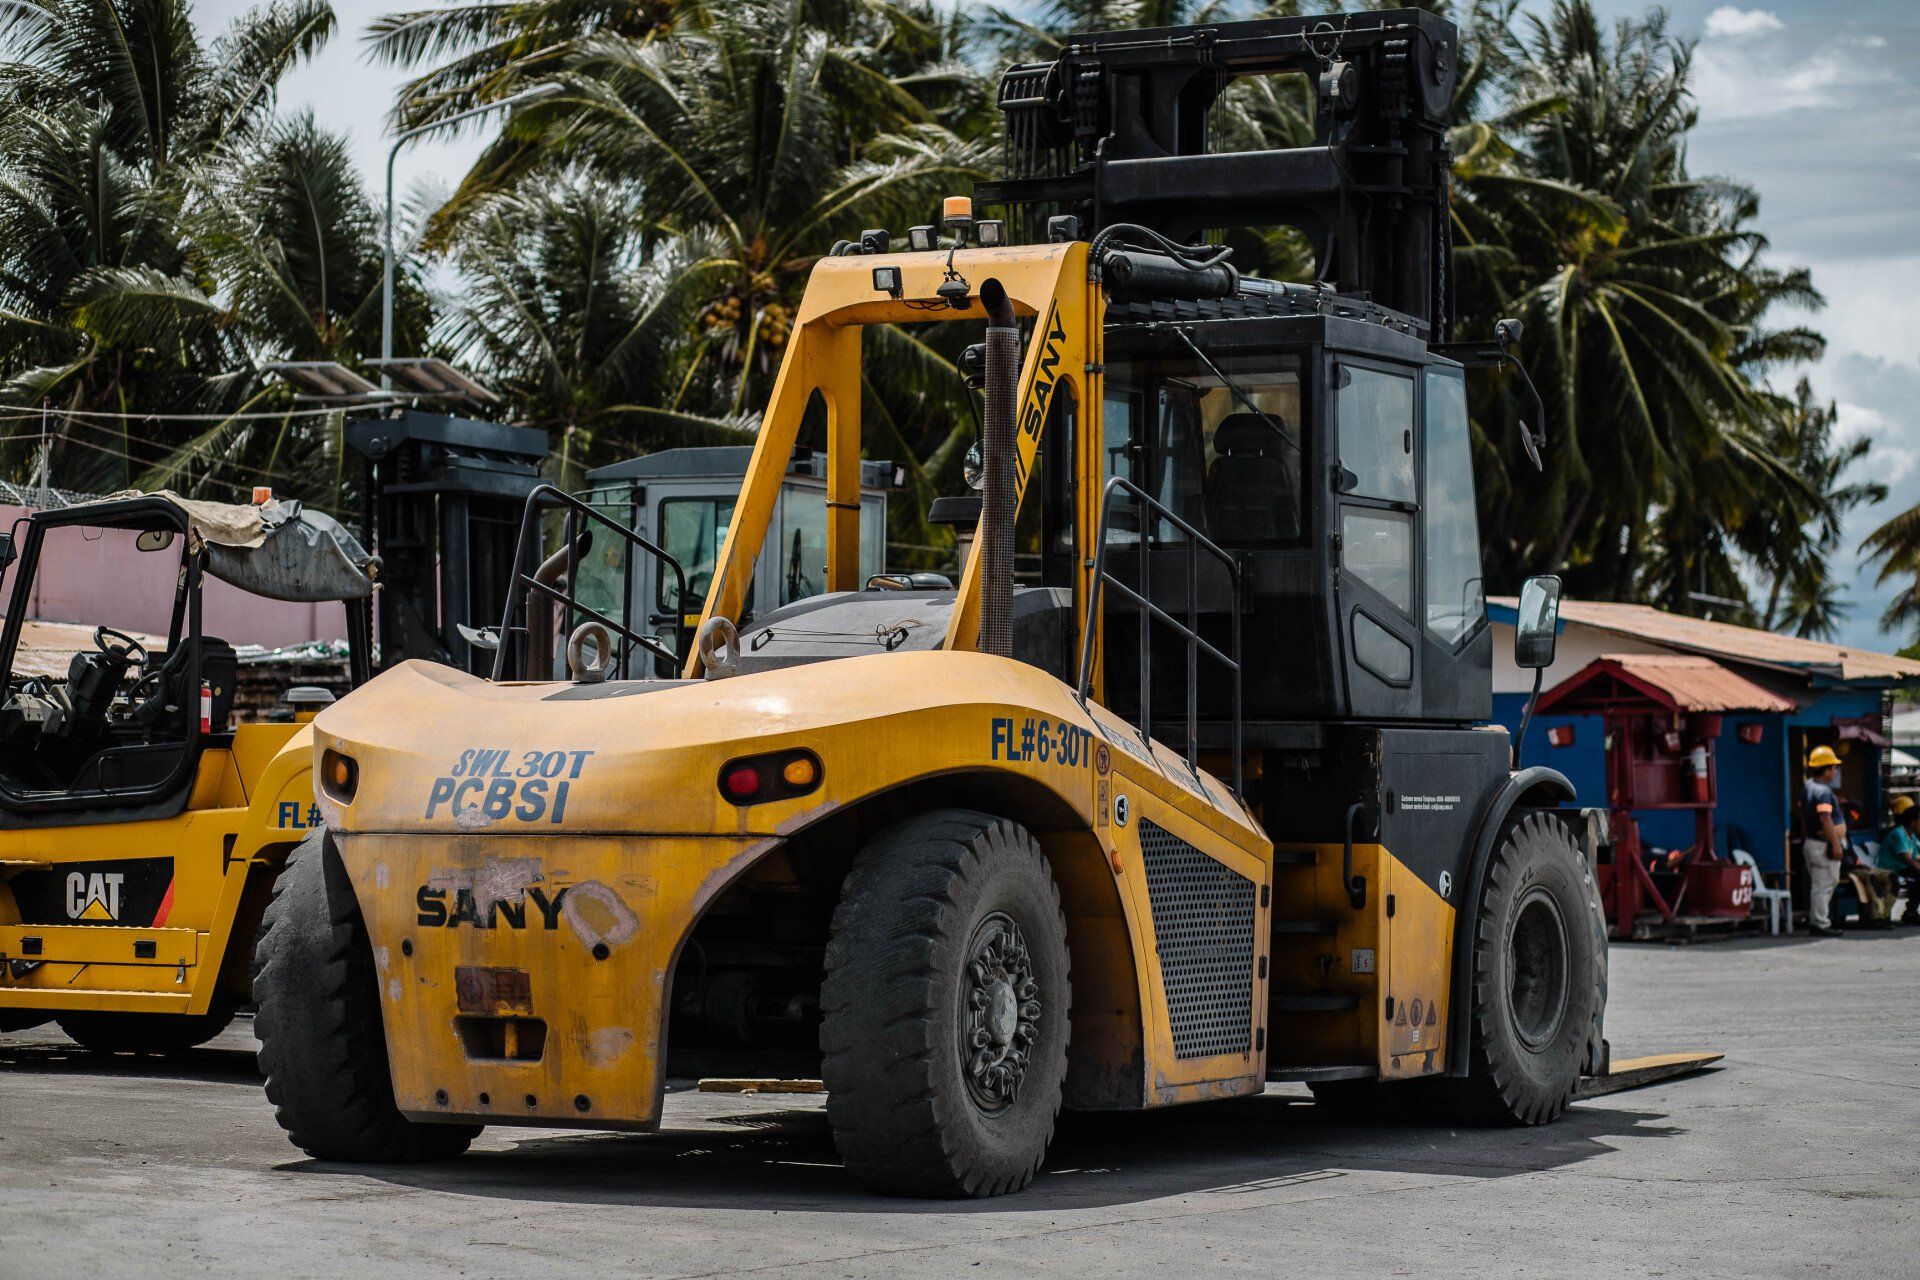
{"x": 1235, "y": 388}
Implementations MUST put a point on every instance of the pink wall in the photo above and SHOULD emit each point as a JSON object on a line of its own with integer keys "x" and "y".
{"x": 98, "y": 578}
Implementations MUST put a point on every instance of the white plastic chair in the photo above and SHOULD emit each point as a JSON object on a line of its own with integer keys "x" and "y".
{"x": 1779, "y": 902}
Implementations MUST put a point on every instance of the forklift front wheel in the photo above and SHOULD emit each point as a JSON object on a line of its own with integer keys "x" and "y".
{"x": 1539, "y": 981}
{"x": 946, "y": 1003}
{"x": 323, "y": 1049}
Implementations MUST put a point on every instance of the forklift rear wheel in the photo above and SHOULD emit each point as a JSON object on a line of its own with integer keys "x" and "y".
{"x": 1539, "y": 981}
{"x": 154, "y": 1033}
{"x": 322, "y": 1047}
{"x": 945, "y": 1002}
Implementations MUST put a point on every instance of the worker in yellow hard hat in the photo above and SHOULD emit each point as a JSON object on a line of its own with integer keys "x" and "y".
{"x": 1900, "y": 854}
{"x": 1824, "y": 839}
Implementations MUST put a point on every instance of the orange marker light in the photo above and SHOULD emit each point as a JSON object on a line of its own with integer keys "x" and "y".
{"x": 956, "y": 209}
{"x": 801, "y": 771}
{"x": 340, "y": 774}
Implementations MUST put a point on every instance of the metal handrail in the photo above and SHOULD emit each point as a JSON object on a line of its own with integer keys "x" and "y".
{"x": 1152, "y": 511}
{"x": 526, "y": 550}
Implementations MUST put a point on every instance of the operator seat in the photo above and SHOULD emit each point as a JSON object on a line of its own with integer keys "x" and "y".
{"x": 1250, "y": 484}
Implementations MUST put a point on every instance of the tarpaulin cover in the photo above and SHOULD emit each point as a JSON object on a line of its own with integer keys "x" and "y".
{"x": 278, "y": 549}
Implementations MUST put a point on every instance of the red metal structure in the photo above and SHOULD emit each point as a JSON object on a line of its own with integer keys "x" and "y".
{"x": 1662, "y": 714}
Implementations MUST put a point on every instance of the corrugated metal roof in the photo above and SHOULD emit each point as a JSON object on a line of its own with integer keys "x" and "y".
{"x": 1740, "y": 644}
{"x": 1692, "y": 683}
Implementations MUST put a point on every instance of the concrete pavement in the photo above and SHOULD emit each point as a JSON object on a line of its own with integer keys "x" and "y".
{"x": 1799, "y": 1157}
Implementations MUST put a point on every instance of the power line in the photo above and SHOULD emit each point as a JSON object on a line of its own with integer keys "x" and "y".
{"x": 150, "y": 463}
{"x": 224, "y": 484}
{"x": 16, "y": 413}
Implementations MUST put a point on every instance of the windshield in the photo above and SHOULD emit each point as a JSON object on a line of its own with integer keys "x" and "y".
{"x": 1225, "y": 458}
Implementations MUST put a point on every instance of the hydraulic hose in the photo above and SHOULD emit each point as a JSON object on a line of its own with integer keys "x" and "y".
{"x": 999, "y": 499}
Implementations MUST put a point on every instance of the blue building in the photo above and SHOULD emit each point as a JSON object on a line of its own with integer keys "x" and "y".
{"x": 1841, "y": 697}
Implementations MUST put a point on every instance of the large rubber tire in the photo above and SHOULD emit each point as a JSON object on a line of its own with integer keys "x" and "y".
{"x": 144, "y": 1033}
{"x": 1539, "y": 982}
{"x": 945, "y": 1008}
{"x": 322, "y": 1047}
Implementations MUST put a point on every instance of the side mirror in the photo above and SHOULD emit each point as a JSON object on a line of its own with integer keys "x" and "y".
{"x": 1536, "y": 629}
{"x": 7, "y": 552}
{"x": 154, "y": 540}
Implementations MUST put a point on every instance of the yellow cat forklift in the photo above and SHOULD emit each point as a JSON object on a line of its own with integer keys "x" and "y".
{"x": 1202, "y": 808}
{"x": 139, "y": 827}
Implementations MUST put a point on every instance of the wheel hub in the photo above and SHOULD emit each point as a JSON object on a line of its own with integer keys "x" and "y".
{"x": 1538, "y": 970}
{"x": 1000, "y": 1012}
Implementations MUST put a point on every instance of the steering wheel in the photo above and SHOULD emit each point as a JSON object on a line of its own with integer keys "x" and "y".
{"x": 127, "y": 653}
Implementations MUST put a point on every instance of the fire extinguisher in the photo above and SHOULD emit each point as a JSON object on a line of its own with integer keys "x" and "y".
{"x": 1697, "y": 760}
{"x": 206, "y": 706}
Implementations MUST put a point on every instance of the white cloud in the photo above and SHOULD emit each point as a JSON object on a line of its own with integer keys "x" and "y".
{"x": 1873, "y": 306}
{"x": 1733, "y": 23}
{"x": 1745, "y": 83}
{"x": 1890, "y": 462}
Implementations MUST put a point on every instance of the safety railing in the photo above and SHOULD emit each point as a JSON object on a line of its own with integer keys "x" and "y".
{"x": 1152, "y": 514}
{"x": 528, "y": 582}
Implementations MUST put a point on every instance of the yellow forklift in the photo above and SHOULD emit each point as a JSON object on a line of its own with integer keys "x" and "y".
{"x": 1206, "y": 805}
{"x": 140, "y": 827}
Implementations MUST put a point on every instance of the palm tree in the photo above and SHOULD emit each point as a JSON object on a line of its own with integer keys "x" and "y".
{"x": 741, "y": 141}
{"x": 109, "y": 115}
{"x": 1642, "y": 293}
{"x": 583, "y": 331}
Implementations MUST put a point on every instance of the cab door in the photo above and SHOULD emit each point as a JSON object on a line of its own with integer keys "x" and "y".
{"x": 1376, "y": 532}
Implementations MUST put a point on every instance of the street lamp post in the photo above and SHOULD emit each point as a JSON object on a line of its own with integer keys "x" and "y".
{"x": 393, "y": 153}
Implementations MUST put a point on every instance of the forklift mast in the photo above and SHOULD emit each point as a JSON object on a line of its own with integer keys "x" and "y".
{"x": 1115, "y": 132}
{"x": 445, "y": 496}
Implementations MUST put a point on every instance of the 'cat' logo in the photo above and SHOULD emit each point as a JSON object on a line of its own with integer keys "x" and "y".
{"x": 94, "y": 897}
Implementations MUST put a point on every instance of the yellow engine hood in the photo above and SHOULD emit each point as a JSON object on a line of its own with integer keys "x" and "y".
{"x": 440, "y": 750}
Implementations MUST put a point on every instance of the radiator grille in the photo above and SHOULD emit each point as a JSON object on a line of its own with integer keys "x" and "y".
{"x": 1203, "y": 916}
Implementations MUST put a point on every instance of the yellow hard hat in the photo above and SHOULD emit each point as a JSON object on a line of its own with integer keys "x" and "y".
{"x": 1822, "y": 758}
{"x": 1900, "y": 805}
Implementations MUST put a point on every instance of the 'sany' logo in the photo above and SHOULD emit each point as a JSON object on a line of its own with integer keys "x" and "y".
{"x": 94, "y": 897}
{"x": 1046, "y": 376}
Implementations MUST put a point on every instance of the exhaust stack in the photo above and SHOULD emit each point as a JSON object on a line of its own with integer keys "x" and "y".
{"x": 1000, "y": 501}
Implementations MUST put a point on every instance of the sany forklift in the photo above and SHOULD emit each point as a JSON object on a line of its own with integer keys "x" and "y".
{"x": 1205, "y": 808}
{"x": 140, "y": 828}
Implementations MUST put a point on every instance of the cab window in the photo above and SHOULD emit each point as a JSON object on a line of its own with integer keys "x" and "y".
{"x": 1374, "y": 413}
{"x": 692, "y": 530}
{"x": 1456, "y": 601}
{"x": 1226, "y": 459}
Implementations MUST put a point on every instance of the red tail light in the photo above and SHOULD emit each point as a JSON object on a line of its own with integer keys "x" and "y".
{"x": 778, "y": 775}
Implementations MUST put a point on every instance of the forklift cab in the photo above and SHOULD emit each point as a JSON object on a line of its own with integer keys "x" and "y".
{"x": 115, "y": 729}
{"x": 1331, "y": 457}
{"x": 683, "y": 500}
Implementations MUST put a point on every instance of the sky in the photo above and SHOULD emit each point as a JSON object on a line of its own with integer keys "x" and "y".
{"x": 1815, "y": 103}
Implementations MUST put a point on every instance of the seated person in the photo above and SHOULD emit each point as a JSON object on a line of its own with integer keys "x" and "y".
{"x": 1899, "y": 854}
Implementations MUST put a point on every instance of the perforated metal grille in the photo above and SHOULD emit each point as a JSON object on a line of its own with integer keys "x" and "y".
{"x": 1203, "y": 916}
